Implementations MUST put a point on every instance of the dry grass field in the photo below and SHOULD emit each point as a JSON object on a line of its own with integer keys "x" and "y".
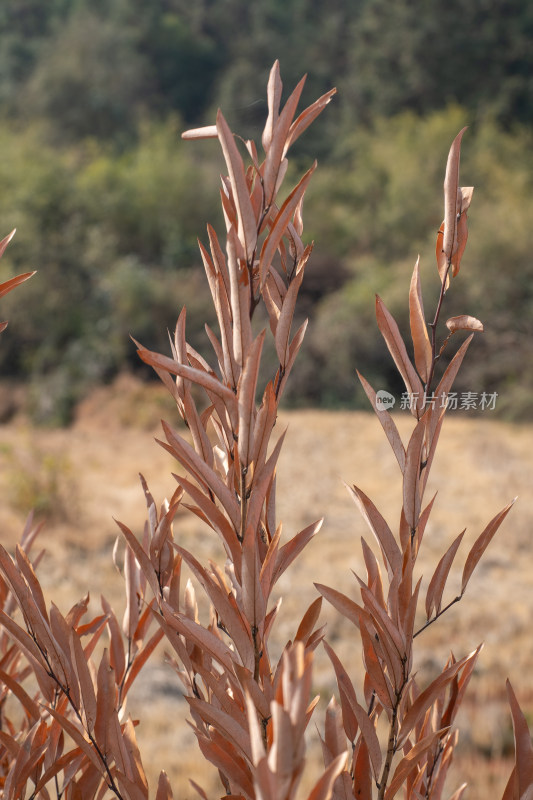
{"x": 82, "y": 477}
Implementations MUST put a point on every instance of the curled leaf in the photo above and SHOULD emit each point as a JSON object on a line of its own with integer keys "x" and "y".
{"x": 464, "y": 323}
{"x": 207, "y": 132}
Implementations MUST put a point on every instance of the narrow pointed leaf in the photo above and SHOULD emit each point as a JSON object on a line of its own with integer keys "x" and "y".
{"x": 324, "y": 786}
{"x": 395, "y": 343}
{"x": 83, "y": 674}
{"x": 379, "y": 527}
{"x": 412, "y": 498}
{"x": 307, "y": 117}
{"x": 440, "y": 576}
{"x": 274, "y": 90}
{"x": 293, "y": 548}
{"x": 387, "y": 423}
{"x": 481, "y": 544}
{"x": 198, "y": 376}
{"x": 451, "y": 185}
{"x": 347, "y": 607}
{"x": 283, "y": 330}
{"x": 164, "y": 789}
{"x": 7, "y": 286}
{"x": 419, "y": 331}
{"x": 246, "y": 399}
{"x": 83, "y": 743}
{"x": 280, "y": 224}
{"x": 426, "y": 698}
{"x": 410, "y": 762}
{"x": 523, "y": 746}
{"x": 247, "y": 230}
{"x": 277, "y": 145}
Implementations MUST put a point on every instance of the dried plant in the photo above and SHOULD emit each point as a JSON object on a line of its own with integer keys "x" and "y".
{"x": 65, "y": 730}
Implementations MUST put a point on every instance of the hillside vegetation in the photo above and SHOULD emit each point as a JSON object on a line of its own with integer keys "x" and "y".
{"x": 94, "y": 96}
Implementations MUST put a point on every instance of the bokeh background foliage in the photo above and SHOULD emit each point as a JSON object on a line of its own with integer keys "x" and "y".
{"x": 108, "y": 201}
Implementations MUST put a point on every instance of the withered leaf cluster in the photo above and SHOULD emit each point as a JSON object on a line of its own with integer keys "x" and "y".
{"x": 71, "y": 735}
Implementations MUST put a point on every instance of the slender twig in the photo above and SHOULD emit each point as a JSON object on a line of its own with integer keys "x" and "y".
{"x": 435, "y": 618}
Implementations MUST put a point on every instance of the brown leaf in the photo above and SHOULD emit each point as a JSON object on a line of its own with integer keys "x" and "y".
{"x": 246, "y": 400}
{"x": 7, "y": 286}
{"x": 253, "y": 600}
{"x": 142, "y": 557}
{"x": 207, "y": 132}
{"x": 410, "y": 762}
{"x": 419, "y": 331}
{"x": 464, "y": 323}
{"x": 293, "y": 548}
{"x": 426, "y": 698}
{"x": 481, "y": 544}
{"x": 277, "y": 144}
{"x": 79, "y": 737}
{"x": 368, "y": 732}
{"x": 32, "y": 652}
{"x": 105, "y": 702}
{"x": 279, "y": 226}
{"x": 247, "y": 227}
{"x": 346, "y": 694}
{"x": 215, "y": 517}
{"x": 139, "y": 777}
{"x": 523, "y": 747}
{"x": 451, "y": 196}
{"x": 362, "y": 775}
{"x": 198, "y": 376}
{"x": 5, "y": 241}
{"x": 164, "y": 789}
{"x": 309, "y": 620}
{"x": 229, "y": 763}
{"x": 387, "y": 423}
{"x": 440, "y": 576}
{"x": 227, "y": 610}
{"x": 395, "y": 343}
{"x": 141, "y": 659}
{"x": 457, "y": 795}
{"x": 347, "y": 607}
{"x": 240, "y": 294}
{"x": 294, "y": 349}
{"x": 380, "y": 529}
{"x": 307, "y": 117}
{"x": 31, "y": 708}
{"x": 85, "y": 681}
{"x": 412, "y": 494}
{"x": 117, "y": 654}
{"x": 204, "y": 639}
{"x": 274, "y": 90}
{"x": 262, "y": 484}
{"x": 224, "y": 724}
{"x": 283, "y": 329}
{"x": 188, "y": 457}
{"x": 324, "y": 786}
{"x": 374, "y": 670}
{"x": 264, "y": 423}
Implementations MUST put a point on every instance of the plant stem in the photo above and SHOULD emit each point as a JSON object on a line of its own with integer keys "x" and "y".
{"x": 435, "y": 618}
{"x": 391, "y": 750}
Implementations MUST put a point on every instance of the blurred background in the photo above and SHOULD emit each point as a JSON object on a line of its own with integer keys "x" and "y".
{"x": 108, "y": 201}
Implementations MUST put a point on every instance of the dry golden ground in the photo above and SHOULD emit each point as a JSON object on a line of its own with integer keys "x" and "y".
{"x": 84, "y": 476}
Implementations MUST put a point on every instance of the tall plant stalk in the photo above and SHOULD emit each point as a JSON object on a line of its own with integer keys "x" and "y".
{"x": 250, "y": 712}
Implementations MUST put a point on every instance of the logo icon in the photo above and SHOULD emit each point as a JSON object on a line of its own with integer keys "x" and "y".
{"x": 384, "y": 400}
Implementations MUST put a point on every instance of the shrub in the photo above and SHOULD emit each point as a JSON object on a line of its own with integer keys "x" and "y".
{"x": 385, "y": 732}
